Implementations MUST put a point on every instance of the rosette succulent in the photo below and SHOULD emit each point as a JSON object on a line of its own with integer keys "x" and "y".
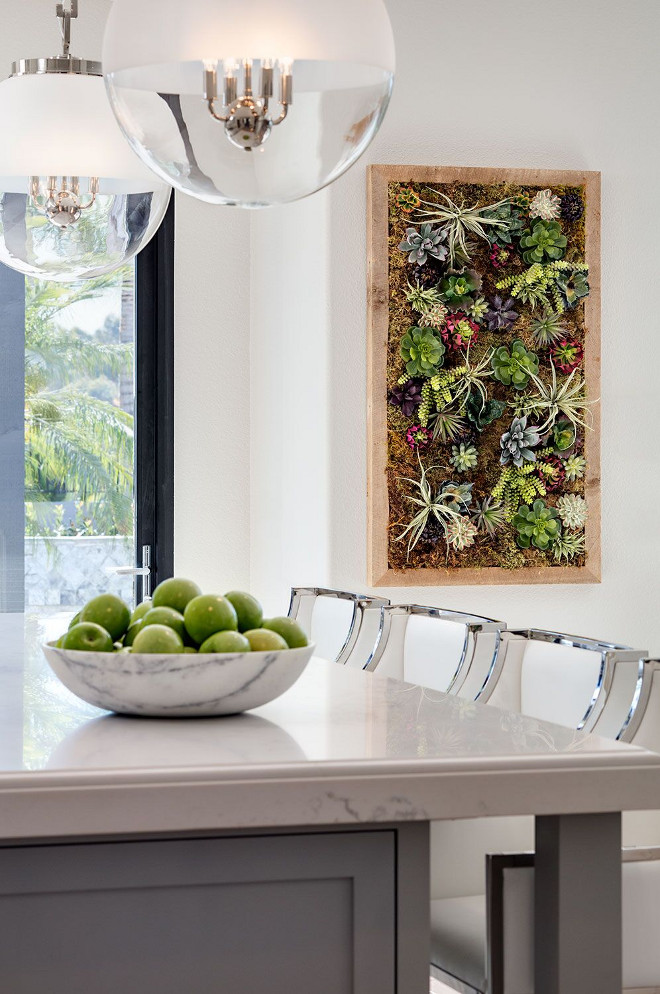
{"x": 547, "y": 329}
{"x": 575, "y": 467}
{"x": 460, "y": 533}
{"x": 459, "y": 332}
{"x": 418, "y": 437}
{"x": 477, "y": 309}
{"x": 501, "y": 315}
{"x": 514, "y": 368}
{"x": 573, "y": 285}
{"x": 501, "y": 255}
{"x": 408, "y": 200}
{"x": 463, "y": 457}
{"x": 482, "y": 412}
{"x": 552, "y": 473}
{"x": 456, "y": 496}
{"x": 517, "y": 443}
{"x": 407, "y": 396}
{"x": 428, "y": 242}
{"x": 545, "y": 205}
{"x": 572, "y": 207}
{"x": 544, "y": 241}
{"x": 563, "y": 435}
{"x": 434, "y": 317}
{"x": 422, "y": 352}
{"x": 456, "y": 290}
{"x": 511, "y": 227}
{"x": 567, "y": 355}
{"x": 537, "y": 525}
{"x": 573, "y": 511}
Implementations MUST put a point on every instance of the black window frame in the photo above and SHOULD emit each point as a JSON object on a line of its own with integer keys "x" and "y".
{"x": 154, "y": 402}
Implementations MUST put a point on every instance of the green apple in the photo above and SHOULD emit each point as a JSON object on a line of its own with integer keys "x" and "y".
{"x": 88, "y": 637}
{"x": 142, "y": 609}
{"x": 248, "y": 610}
{"x": 208, "y": 614}
{"x": 226, "y": 642}
{"x": 157, "y": 639}
{"x": 74, "y": 620}
{"x": 133, "y": 629}
{"x": 290, "y": 631}
{"x": 188, "y": 649}
{"x": 176, "y": 593}
{"x": 166, "y": 616}
{"x": 263, "y": 640}
{"x": 109, "y": 612}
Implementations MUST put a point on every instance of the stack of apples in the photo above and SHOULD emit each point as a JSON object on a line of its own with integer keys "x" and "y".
{"x": 180, "y": 619}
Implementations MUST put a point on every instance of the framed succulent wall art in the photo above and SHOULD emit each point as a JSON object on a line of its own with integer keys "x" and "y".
{"x": 484, "y": 357}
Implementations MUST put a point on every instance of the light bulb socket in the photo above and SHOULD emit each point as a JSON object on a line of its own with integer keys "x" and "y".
{"x": 59, "y": 64}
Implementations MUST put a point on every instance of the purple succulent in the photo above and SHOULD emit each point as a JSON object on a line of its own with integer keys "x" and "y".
{"x": 501, "y": 314}
{"x": 408, "y": 397}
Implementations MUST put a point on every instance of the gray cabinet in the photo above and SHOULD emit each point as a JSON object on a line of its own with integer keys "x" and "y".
{"x": 239, "y": 915}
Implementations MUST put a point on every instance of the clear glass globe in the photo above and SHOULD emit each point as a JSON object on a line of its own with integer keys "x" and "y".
{"x": 251, "y": 159}
{"x": 66, "y": 237}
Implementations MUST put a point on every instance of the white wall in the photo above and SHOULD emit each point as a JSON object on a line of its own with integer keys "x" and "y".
{"x": 513, "y": 83}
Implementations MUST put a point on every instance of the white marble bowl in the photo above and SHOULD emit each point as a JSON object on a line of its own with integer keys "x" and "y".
{"x": 178, "y": 686}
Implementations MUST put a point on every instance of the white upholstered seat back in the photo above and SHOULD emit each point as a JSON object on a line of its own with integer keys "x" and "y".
{"x": 432, "y": 651}
{"x": 558, "y": 682}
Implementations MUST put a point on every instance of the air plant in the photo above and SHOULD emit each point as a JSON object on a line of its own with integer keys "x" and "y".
{"x": 568, "y": 545}
{"x": 433, "y": 507}
{"x": 460, "y": 222}
{"x": 567, "y": 399}
{"x": 447, "y": 426}
{"x": 545, "y": 205}
{"x": 422, "y": 298}
{"x": 489, "y": 516}
{"x": 547, "y": 329}
{"x": 537, "y": 525}
{"x": 460, "y": 533}
{"x": 428, "y": 241}
{"x": 575, "y": 467}
{"x": 517, "y": 443}
{"x": 572, "y": 511}
{"x": 463, "y": 457}
{"x": 407, "y": 396}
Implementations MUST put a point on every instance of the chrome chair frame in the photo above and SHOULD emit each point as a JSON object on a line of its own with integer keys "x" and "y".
{"x": 475, "y": 625}
{"x": 361, "y": 604}
{"x": 611, "y": 654}
{"x": 640, "y": 702}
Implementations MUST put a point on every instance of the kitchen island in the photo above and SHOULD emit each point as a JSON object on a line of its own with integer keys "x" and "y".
{"x": 287, "y": 849}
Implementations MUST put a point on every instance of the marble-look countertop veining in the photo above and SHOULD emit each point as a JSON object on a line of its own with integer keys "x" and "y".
{"x": 340, "y": 747}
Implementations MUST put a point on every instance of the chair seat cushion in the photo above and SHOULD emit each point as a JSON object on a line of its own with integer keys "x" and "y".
{"x": 458, "y": 939}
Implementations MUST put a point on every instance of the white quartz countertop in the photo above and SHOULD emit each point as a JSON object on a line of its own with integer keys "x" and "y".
{"x": 340, "y": 747}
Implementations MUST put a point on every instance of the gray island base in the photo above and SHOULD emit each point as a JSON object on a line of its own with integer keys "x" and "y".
{"x": 287, "y": 850}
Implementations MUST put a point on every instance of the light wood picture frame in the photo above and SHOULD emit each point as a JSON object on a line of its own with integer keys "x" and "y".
{"x": 383, "y": 239}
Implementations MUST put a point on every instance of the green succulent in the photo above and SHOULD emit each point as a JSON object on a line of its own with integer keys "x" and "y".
{"x": 477, "y": 309}
{"x": 463, "y": 457}
{"x": 575, "y": 467}
{"x": 483, "y": 412}
{"x": 563, "y": 434}
{"x": 544, "y": 241}
{"x": 573, "y": 511}
{"x": 512, "y": 227}
{"x": 457, "y": 496}
{"x": 460, "y": 533}
{"x": 573, "y": 286}
{"x": 516, "y": 485}
{"x": 456, "y": 290}
{"x": 547, "y": 329}
{"x": 422, "y": 352}
{"x": 568, "y": 545}
{"x": 435, "y": 317}
{"x": 537, "y": 525}
{"x": 425, "y": 243}
{"x": 517, "y": 443}
{"x": 514, "y": 368}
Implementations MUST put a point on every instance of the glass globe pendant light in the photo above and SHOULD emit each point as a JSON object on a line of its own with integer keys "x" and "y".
{"x": 249, "y": 103}
{"x": 75, "y": 201}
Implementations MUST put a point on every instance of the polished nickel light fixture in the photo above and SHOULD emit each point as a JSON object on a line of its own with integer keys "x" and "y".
{"x": 75, "y": 201}
{"x": 300, "y": 85}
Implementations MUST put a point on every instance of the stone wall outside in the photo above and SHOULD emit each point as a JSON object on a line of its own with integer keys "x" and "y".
{"x": 68, "y": 571}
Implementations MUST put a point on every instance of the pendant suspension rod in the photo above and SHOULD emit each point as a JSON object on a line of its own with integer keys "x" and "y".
{"x": 67, "y": 14}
